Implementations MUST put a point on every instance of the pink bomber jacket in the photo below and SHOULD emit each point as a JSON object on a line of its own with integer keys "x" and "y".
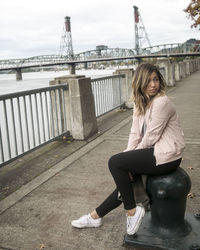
{"x": 162, "y": 131}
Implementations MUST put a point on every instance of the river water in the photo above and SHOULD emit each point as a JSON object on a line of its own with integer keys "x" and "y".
{"x": 34, "y": 80}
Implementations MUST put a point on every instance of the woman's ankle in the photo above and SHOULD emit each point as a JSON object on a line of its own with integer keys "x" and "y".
{"x": 94, "y": 215}
{"x": 131, "y": 212}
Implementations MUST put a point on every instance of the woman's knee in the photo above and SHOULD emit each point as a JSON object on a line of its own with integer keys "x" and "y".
{"x": 112, "y": 163}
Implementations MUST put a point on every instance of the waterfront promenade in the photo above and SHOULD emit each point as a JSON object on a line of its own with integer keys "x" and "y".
{"x": 63, "y": 181}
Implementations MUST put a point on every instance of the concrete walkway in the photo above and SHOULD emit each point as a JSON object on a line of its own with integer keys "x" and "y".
{"x": 38, "y": 215}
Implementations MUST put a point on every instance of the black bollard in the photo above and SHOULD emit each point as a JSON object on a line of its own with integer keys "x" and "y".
{"x": 167, "y": 226}
{"x": 168, "y": 195}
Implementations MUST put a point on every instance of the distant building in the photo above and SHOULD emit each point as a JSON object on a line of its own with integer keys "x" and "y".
{"x": 101, "y": 47}
{"x": 193, "y": 40}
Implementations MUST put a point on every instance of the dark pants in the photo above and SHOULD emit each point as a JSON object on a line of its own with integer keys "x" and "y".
{"x": 140, "y": 161}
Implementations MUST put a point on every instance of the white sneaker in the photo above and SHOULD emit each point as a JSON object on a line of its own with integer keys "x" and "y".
{"x": 86, "y": 221}
{"x": 133, "y": 222}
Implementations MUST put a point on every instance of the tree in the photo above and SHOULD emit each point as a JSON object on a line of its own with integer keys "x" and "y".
{"x": 193, "y": 11}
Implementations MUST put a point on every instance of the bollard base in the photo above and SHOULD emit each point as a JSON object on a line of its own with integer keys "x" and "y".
{"x": 147, "y": 238}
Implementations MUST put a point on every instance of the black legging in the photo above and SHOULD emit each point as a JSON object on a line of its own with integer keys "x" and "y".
{"x": 140, "y": 161}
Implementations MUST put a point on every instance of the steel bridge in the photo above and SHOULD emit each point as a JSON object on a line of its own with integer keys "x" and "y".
{"x": 165, "y": 50}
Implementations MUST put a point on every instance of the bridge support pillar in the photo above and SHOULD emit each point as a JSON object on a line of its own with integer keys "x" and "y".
{"x": 19, "y": 74}
{"x": 169, "y": 71}
{"x": 85, "y": 65}
{"x": 72, "y": 69}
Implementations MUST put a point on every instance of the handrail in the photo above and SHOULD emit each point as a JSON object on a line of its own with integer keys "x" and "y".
{"x": 30, "y": 119}
{"x": 32, "y": 91}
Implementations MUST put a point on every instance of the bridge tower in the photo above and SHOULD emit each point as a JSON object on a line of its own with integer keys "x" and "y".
{"x": 141, "y": 36}
{"x": 66, "y": 48}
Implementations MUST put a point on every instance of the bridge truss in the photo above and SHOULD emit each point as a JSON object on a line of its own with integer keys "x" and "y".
{"x": 175, "y": 48}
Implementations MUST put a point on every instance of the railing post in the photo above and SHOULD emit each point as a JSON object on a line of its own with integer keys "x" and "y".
{"x": 198, "y": 63}
{"x": 195, "y": 65}
{"x": 126, "y": 86}
{"x": 177, "y": 71}
{"x": 169, "y": 70}
{"x": 187, "y": 67}
{"x": 182, "y": 71}
{"x": 79, "y": 106}
{"x": 171, "y": 74}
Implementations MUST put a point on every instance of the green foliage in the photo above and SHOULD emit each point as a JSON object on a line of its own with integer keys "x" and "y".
{"x": 193, "y": 11}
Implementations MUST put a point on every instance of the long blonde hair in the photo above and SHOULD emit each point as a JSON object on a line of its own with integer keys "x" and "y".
{"x": 141, "y": 79}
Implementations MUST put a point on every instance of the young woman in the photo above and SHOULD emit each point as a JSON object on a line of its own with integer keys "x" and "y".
{"x": 155, "y": 147}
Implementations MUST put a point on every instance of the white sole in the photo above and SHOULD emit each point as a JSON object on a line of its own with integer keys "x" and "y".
{"x": 83, "y": 226}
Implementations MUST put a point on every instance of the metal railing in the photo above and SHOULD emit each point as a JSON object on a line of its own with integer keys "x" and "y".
{"x": 29, "y": 119}
{"x": 107, "y": 93}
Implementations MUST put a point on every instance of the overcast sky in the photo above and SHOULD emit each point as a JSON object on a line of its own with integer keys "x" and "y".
{"x": 34, "y": 27}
